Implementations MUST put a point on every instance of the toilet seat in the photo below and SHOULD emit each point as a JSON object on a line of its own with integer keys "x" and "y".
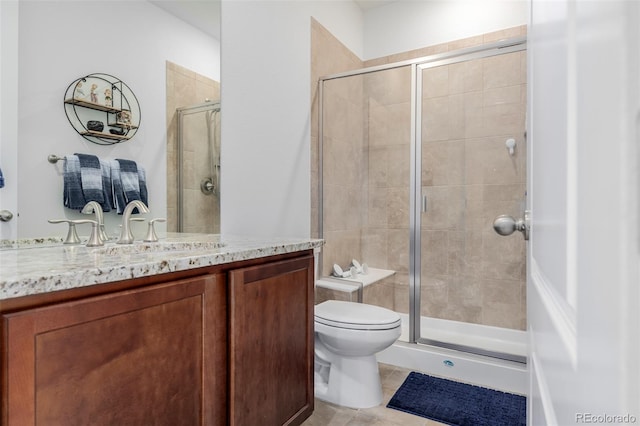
{"x": 355, "y": 316}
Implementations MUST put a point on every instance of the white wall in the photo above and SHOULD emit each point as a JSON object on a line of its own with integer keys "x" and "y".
{"x": 266, "y": 110}
{"x": 9, "y": 115}
{"x": 64, "y": 40}
{"x": 408, "y": 25}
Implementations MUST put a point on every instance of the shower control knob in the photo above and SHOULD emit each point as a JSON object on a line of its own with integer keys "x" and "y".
{"x": 207, "y": 187}
{"x": 506, "y": 225}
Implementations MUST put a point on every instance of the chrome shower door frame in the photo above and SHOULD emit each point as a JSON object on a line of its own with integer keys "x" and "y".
{"x": 416, "y": 197}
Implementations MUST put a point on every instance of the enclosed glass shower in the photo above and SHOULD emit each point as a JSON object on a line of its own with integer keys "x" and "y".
{"x": 198, "y": 176}
{"x": 417, "y": 159}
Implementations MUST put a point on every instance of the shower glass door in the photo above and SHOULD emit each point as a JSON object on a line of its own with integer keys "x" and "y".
{"x": 366, "y": 157}
{"x": 470, "y": 281}
{"x": 198, "y": 208}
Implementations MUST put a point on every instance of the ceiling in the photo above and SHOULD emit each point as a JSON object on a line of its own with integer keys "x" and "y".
{"x": 205, "y": 15}
{"x": 372, "y": 4}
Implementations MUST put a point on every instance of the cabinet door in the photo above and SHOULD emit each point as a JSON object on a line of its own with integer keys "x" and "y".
{"x": 271, "y": 343}
{"x": 138, "y": 357}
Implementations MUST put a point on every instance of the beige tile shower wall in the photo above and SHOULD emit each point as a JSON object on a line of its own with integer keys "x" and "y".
{"x": 184, "y": 88}
{"x": 385, "y": 235}
{"x": 344, "y": 160}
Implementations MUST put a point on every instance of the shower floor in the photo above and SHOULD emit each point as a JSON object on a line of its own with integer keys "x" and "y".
{"x": 483, "y": 337}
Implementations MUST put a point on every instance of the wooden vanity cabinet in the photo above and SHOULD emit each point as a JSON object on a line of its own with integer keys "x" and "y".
{"x": 232, "y": 345}
{"x": 271, "y": 343}
{"x": 139, "y": 357}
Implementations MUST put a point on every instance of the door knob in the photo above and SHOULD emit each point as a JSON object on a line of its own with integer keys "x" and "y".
{"x": 5, "y": 215}
{"x": 507, "y": 225}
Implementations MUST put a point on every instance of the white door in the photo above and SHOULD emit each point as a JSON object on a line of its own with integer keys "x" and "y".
{"x": 9, "y": 116}
{"x": 583, "y": 189}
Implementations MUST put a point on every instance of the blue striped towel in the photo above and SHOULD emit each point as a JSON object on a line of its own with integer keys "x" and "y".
{"x": 107, "y": 193}
{"x": 128, "y": 183}
{"x": 72, "y": 190}
{"x": 91, "y": 178}
{"x": 130, "y": 180}
{"x": 117, "y": 194}
{"x": 142, "y": 181}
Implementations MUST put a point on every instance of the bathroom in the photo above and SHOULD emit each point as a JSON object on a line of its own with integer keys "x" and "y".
{"x": 267, "y": 85}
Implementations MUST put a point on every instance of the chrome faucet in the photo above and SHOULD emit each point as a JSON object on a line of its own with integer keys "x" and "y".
{"x": 94, "y": 207}
{"x": 126, "y": 237}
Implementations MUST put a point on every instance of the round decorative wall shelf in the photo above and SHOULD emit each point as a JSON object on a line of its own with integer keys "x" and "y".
{"x": 102, "y": 109}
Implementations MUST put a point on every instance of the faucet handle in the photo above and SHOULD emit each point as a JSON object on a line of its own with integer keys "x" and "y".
{"x": 152, "y": 237}
{"x": 72, "y": 234}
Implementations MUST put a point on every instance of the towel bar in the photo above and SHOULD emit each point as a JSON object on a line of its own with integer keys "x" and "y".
{"x": 53, "y": 159}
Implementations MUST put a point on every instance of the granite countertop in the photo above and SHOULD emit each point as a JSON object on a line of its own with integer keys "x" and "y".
{"x": 48, "y": 265}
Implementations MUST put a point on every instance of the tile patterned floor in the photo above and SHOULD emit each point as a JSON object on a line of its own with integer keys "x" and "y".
{"x": 392, "y": 377}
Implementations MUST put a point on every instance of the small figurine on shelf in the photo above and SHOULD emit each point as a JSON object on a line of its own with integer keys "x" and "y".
{"x": 124, "y": 118}
{"x": 94, "y": 97}
{"x": 108, "y": 101}
{"x": 79, "y": 91}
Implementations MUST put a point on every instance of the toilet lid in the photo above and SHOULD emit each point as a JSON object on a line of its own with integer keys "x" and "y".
{"x": 357, "y": 316}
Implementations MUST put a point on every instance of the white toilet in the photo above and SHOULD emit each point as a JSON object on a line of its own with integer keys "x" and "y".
{"x": 347, "y": 337}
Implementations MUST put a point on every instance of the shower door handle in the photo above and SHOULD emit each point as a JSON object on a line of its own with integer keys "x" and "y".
{"x": 5, "y": 215}
{"x": 507, "y": 225}
{"x": 424, "y": 203}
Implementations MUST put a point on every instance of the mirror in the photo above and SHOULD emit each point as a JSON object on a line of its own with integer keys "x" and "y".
{"x": 193, "y": 131}
{"x": 65, "y": 39}
{"x": 193, "y": 153}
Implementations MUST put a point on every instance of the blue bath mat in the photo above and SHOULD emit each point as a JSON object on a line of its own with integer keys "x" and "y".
{"x": 458, "y": 404}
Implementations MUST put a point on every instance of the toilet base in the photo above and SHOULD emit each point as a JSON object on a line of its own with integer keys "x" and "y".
{"x": 353, "y": 382}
